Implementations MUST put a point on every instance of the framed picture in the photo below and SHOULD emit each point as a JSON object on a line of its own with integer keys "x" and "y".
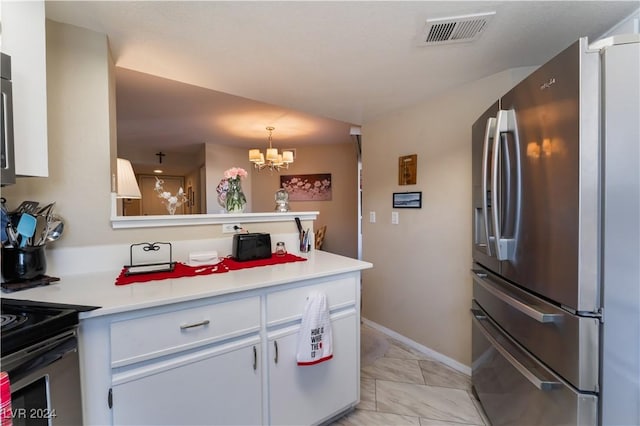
{"x": 407, "y": 200}
{"x": 408, "y": 169}
{"x": 315, "y": 187}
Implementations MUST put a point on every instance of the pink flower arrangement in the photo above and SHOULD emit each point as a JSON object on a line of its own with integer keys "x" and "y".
{"x": 235, "y": 173}
{"x": 222, "y": 189}
{"x": 231, "y": 182}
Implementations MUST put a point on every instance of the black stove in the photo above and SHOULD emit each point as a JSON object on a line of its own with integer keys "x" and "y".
{"x": 25, "y": 322}
{"x": 11, "y": 321}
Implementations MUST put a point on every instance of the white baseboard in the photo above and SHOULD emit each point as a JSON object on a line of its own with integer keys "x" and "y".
{"x": 449, "y": 362}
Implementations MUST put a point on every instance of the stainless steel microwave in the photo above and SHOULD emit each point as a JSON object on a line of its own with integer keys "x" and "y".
{"x": 8, "y": 160}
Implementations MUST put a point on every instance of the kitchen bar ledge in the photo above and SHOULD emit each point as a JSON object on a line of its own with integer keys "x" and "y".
{"x": 98, "y": 289}
{"x": 158, "y": 221}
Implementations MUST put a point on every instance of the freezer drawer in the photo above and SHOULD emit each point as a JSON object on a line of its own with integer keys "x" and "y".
{"x": 566, "y": 343}
{"x": 515, "y": 389}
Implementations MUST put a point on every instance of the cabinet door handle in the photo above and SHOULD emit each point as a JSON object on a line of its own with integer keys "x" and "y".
{"x": 275, "y": 345}
{"x": 195, "y": 324}
{"x": 255, "y": 358}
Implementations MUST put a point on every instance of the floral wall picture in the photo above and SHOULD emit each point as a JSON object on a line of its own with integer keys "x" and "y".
{"x": 307, "y": 187}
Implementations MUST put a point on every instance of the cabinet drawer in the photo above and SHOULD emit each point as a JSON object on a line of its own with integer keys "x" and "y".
{"x": 139, "y": 339}
{"x": 567, "y": 343}
{"x": 516, "y": 389}
{"x": 288, "y": 305}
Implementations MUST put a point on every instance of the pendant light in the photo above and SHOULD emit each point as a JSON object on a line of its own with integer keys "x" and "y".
{"x": 273, "y": 160}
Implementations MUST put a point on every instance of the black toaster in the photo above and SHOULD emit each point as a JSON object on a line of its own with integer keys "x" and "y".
{"x": 251, "y": 246}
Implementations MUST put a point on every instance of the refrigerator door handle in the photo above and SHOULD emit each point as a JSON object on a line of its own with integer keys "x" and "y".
{"x": 489, "y": 130}
{"x": 542, "y": 383}
{"x": 495, "y": 207}
{"x": 514, "y": 302}
{"x": 504, "y": 247}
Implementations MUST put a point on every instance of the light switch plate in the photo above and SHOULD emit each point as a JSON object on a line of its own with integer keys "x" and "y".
{"x": 372, "y": 217}
{"x": 394, "y": 218}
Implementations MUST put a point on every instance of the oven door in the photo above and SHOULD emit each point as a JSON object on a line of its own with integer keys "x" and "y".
{"x": 45, "y": 382}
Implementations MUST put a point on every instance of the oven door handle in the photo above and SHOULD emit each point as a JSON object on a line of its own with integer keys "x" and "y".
{"x": 52, "y": 343}
{"x": 50, "y": 351}
{"x": 542, "y": 383}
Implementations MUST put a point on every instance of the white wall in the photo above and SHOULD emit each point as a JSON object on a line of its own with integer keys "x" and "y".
{"x": 629, "y": 25}
{"x": 420, "y": 285}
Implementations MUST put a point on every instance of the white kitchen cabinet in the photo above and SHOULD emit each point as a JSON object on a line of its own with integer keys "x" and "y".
{"x": 217, "y": 385}
{"x": 314, "y": 393}
{"x": 24, "y": 39}
{"x": 196, "y": 365}
{"x": 211, "y": 360}
{"x": 139, "y": 339}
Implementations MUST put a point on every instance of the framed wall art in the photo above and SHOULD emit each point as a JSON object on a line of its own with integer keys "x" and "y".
{"x": 316, "y": 187}
{"x": 407, "y": 200}
{"x": 408, "y": 169}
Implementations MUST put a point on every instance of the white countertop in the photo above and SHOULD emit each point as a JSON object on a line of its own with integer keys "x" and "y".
{"x": 99, "y": 289}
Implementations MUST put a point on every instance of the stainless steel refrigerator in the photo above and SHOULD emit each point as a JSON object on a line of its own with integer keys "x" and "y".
{"x": 556, "y": 242}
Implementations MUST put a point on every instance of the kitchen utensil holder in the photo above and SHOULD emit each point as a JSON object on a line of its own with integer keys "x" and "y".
{"x": 23, "y": 263}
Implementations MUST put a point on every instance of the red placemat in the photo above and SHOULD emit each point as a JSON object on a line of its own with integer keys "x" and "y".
{"x": 234, "y": 265}
{"x": 227, "y": 264}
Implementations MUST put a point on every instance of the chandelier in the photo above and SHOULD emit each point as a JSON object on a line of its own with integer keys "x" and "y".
{"x": 273, "y": 160}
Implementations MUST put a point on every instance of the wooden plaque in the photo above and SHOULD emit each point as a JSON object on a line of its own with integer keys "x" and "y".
{"x": 408, "y": 169}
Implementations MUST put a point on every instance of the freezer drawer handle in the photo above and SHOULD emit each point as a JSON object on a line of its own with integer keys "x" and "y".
{"x": 541, "y": 384}
{"x": 530, "y": 311}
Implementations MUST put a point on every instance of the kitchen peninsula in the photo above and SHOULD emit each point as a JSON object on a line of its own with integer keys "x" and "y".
{"x": 214, "y": 349}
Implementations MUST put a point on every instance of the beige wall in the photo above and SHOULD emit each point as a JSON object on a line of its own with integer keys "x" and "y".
{"x": 420, "y": 285}
{"x": 79, "y": 135}
{"x": 341, "y": 213}
{"x": 81, "y": 148}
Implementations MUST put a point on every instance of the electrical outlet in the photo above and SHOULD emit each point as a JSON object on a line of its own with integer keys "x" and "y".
{"x": 372, "y": 217}
{"x": 231, "y": 228}
{"x": 394, "y": 218}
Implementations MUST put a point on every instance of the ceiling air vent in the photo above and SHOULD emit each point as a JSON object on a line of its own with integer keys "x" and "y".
{"x": 454, "y": 29}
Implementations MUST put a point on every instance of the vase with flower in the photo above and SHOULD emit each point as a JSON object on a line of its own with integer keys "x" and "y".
{"x": 234, "y": 199}
{"x": 171, "y": 201}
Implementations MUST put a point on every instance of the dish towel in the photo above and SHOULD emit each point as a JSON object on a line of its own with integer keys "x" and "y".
{"x": 5, "y": 399}
{"x": 315, "y": 343}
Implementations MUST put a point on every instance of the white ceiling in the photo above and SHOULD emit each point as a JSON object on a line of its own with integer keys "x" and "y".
{"x": 309, "y": 68}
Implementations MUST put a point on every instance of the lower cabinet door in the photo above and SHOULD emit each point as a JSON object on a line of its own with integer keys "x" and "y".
{"x": 304, "y": 395}
{"x": 215, "y": 386}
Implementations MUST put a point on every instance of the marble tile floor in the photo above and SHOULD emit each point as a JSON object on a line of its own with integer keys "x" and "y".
{"x": 401, "y": 386}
